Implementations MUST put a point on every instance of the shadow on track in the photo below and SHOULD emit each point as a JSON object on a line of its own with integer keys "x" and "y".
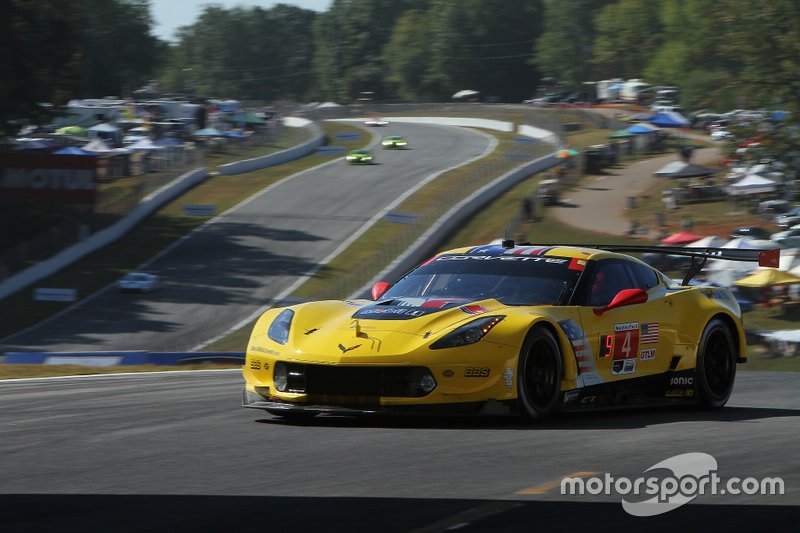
{"x": 630, "y": 418}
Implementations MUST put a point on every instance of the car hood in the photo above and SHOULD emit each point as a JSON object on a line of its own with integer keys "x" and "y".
{"x": 361, "y": 327}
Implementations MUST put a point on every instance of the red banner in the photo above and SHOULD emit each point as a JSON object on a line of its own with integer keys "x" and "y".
{"x": 48, "y": 178}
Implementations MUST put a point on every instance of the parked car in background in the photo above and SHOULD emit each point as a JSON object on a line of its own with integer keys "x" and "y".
{"x": 138, "y": 282}
{"x": 789, "y": 218}
{"x": 720, "y": 134}
{"x": 789, "y": 238}
{"x": 756, "y": 232}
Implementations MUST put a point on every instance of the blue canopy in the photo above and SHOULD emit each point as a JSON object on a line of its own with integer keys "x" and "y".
{"x": 641, "y": 128}
{"x": 209, "y": 132}
{"x": 670, "y": 119}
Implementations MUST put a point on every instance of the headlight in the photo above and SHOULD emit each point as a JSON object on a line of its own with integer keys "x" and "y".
{"x": 468, "y": 333}
{"x": 279, "y": 329}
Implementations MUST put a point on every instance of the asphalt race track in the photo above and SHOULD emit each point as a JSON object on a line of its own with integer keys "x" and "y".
{"x": 176, "y": 452}
{"x": 224, "y": 273}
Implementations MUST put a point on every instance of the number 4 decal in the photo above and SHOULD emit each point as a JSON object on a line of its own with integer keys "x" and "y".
{"x": 626, "y": 340}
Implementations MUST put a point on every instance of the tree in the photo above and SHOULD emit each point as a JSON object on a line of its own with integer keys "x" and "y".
{"x": 627, "y": 34}
{"x": 565, "y": 49}
{"x": 406, "y": 57}
{"x": 56, "y": 50}
{"x": 484, "y": 45}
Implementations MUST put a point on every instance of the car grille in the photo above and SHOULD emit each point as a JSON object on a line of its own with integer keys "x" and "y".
{"x": 367, "y": 383}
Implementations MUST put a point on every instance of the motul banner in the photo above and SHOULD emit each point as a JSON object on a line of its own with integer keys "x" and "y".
{"x": 47, "y": 178}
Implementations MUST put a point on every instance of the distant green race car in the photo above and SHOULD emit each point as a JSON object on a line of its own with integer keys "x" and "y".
{"x": 396, "y": 142}
{"x": 361, "y": 156}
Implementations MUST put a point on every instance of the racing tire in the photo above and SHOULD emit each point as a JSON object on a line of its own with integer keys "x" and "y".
{"x": 538, "y": 374}
{"x": 716, "y": 365}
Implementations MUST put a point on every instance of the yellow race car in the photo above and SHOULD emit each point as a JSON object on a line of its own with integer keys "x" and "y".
{"x": 506, "y": 328}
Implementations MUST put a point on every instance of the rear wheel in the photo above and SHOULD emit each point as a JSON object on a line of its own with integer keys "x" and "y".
{"x": 716, "y": 365}
{"x": 539, "y": 374}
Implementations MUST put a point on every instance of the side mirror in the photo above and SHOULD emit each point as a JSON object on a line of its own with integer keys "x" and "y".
{"x": 623, "y": 298}
{"x": 379, "y": 288}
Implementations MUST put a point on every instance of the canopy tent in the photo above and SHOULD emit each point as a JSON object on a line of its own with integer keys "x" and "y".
{"x": 26, "y": 143}
{"x": 208, "y": 132}
{"x": 145, "y": 144}
{"x": 683, "y": 237}
{"x": 669, "y": 119}
{"x": 752, "y": 184}
{"x": 642, "y": 128}
{"x": 104, "y": 126}
{"x": 768, "y": 277}
{"x": 749, "y": 243}
{"x": 96, "y": 146}
{"x": 681, "y": 169}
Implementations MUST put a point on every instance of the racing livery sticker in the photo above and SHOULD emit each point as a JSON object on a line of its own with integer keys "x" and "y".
{"x": 473, "y": 309}
{"x": 508, "y": 377}
{"x": 587, "y": 372}
{"x": 647, "y": 354}
{"x": 649, "y": 333}
{"x": 577, "y": 264}
{"x": 626, "y": 340}
{"x": 623, "y": 366}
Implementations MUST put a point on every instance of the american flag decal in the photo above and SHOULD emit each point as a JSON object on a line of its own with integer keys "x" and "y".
{"x": 649, "y": 333}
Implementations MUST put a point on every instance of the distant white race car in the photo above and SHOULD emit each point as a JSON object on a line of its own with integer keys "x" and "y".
{"x": 138, "y": 282}
{"x": 375, "y": 121}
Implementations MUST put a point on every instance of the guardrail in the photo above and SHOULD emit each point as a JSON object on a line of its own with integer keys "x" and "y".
{"x": 149, "y": 205}
{"x": 122, "y": 358}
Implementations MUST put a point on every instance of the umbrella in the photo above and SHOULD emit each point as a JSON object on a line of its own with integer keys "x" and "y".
{"x": 72, "y": 130}
{"x": 768, "y": 277}
{"x": 683, "y": 237}
{"x": 566, "y": 153}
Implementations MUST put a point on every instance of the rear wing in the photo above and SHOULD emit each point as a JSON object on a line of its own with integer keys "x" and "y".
{"x": 765, "y": 258}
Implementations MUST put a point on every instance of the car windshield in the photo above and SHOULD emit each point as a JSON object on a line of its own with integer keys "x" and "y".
{"x": 510, "y": 279}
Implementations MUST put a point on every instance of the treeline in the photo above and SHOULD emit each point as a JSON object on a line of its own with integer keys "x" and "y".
{"x": 721, "y": 53}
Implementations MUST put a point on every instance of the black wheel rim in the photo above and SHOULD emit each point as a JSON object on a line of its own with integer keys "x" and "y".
{"x": 540, "y": 375}
{"x": 718, "y": 367}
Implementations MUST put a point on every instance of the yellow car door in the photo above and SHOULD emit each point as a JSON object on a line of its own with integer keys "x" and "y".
{"x": 628, "y": 322}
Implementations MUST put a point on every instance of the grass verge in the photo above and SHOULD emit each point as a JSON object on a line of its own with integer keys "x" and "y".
{"x": 164, "y": 227}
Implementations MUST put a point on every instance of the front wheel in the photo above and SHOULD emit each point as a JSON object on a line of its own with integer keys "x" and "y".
{"x": 716, "y": 365}
{"x": 538, "y": 374}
